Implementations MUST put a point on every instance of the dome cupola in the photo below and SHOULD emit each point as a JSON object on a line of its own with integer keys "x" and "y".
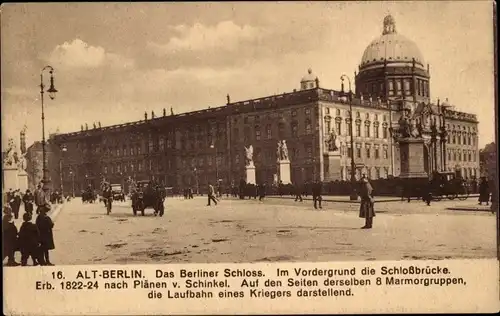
{"x": 391, "y": 47}
{"x": 392, "y": 67}
{"x": 309, "y": 81}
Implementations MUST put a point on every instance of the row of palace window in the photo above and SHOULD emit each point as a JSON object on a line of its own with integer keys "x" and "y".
{"x": 256, "y": 118}
{"x": 369, "y": 152}
{"x": 367, "y": 130}
{"x": 459, "y": 155}
{"x": 268, "y": 131}
{"x": 461, "y": 139}
{"x": 369, "y": 172}
{"x": 357, "y": 115}
{"x": 398, "y": 87}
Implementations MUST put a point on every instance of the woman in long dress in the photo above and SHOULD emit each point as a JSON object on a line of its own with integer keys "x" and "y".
{"x": 366, "y": 209}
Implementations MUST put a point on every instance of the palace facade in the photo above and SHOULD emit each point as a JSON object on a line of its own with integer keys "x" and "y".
{"x": 191, "y": 149}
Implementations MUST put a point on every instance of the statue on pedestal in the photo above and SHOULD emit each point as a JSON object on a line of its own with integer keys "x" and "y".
{"x": 404, "y": 127}
{"x": 278, "y": 152}
{"x": 332, "y": 142}
{"x": 249, "y": 156}
{"x": 10, "y": 158}
{"x": 282, "y": 151}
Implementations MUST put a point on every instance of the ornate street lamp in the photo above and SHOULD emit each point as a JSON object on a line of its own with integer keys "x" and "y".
{"x": 353, "y": 196}
{"x": 52, "y": 94}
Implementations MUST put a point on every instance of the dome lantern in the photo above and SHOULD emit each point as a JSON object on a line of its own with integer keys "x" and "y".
{"x": 389, "y": 25}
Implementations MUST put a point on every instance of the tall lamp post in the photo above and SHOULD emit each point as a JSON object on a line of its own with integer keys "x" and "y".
{"x": 72, "y": 183}
{"x": 52, "y": 94}
{"x": 444, "y": 133}
{"x": 353, "y": 196}
{"x": 63, "y": 150}
{"x": 197, "y": 182}
{"x": 212, "y": 146}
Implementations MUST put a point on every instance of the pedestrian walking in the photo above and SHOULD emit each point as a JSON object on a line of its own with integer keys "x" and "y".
{"x": 28, "y": 200}
{"x": 366, "y": 208}
{"x": 298, "y": 192}
{"x": 427, "y": 192}
{"x": 29, "y": 241}
{"x": 15, "y": 203}
{"x": 262, "y": 191}
{"x": 317, "y": 189}
{"x": 41, "y": 200}
{"x": 9, "y": 236}
{"x": 211, "y": 194}
{"x": 484, "y": 191}
{"x": 45, "y": 226}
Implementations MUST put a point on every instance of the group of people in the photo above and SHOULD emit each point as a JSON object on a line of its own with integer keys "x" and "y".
{"x": 33, "y": 240}
{"x": 15, "y": 198}
{"x": 364, "y": 191}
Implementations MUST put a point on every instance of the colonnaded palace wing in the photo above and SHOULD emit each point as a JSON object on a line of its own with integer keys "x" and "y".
{"x": 392, "y": 82}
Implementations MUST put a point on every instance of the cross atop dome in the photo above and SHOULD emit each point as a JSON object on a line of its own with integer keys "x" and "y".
{"x": 389, "y": 25}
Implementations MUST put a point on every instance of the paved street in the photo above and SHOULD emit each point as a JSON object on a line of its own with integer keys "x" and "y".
{"x": 274, "y": 230}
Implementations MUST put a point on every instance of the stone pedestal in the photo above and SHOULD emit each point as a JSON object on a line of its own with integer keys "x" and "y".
{"x": 10, "y": 178}
{"x": 333, "y": 169}
{"x": 250, "y": 174}
{"x": 413, "y": 158}
{"x": 284, "y": 171}
{"x": 22, "y": 181}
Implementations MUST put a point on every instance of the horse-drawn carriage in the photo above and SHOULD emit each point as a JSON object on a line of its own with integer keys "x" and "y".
{"x": 146, "y": 194}
{"x": 117, "y": 192}
{"x": 89, "y": 196}
{"x": 449, "y": 185}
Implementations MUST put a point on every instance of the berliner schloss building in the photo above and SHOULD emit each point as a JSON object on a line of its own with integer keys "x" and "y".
{"x": 193, "y": 148}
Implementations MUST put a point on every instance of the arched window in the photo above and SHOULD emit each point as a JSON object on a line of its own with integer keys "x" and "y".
{"x": 295, "y": 129}
{"x": 308, "y": 126}
{"x": 398, "y": 87}
{"x": 391, "y": 87}
{"x": 269, "y": 131}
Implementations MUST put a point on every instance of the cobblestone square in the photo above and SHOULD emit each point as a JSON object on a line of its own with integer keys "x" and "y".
{"x": 272, "y": 230}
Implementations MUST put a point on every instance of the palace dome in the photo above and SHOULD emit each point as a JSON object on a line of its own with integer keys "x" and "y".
{"x": 309, "y": 77}
{"x": 392, "y": 47}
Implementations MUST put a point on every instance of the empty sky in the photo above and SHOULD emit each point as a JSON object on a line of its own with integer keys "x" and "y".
{"x": 115, "y": 61}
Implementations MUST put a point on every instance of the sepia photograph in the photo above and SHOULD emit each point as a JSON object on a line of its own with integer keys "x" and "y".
{"x": 172, "y": 133}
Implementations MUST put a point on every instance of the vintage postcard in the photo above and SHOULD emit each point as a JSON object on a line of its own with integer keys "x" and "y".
{"x": 249, "y": 158}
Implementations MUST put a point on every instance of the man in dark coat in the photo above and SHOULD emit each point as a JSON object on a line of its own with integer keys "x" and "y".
{"x": 28, "y": 200}
{"x": 9, "y": 236}
{"x": 317, "y": 189}
{"x": 15, "y": 203}
{"x": 29, "y": 241}
{"x": 484, "y": 191}
{"x": 211, "y": 194}
{"x": 262, "y": 191}
{"x": 45, "y": 225}
{"x": 366, "y": 209}
{"x": 41, "y": 200}
{"x": 298, "y": 192}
